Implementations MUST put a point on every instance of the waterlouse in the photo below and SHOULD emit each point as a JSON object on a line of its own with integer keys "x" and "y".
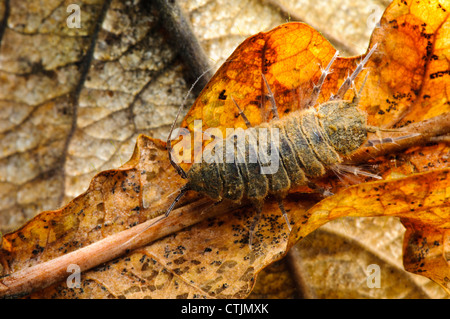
{"x": 310, "y": 142}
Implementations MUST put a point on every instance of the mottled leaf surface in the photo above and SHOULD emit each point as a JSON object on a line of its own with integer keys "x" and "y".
{"x": 74, "y": 101}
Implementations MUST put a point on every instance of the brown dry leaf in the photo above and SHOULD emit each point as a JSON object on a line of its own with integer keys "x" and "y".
{"x": 396, "y": 102}
{"x": 65, "y": 91}
{"x": 333, "y": 265}
{"x": 135, "y": 260}
{"x": 211, "y": 259}
{"x": 347, "y": 24}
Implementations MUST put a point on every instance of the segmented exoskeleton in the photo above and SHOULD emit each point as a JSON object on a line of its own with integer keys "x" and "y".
{"x": 311, "y": 141}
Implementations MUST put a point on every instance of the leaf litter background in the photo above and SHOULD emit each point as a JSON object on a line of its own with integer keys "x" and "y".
{"x": 75, "y": 100}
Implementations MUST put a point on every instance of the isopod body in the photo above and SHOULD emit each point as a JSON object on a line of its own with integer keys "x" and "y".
{"x": 309, "y": 142}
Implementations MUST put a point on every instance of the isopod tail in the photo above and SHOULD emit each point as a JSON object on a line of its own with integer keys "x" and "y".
{"x": 386, "y": 140}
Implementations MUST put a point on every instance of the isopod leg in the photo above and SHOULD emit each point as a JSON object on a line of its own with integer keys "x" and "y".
{"x": 342, "y": 169}
{"x": 319, "y": 189}
{"x": 271, "y": 98}
{"x": 318, "y": 87}
{"x": 183, "y": 191}
{"x": 283, "y": 211}
{"x": 241, "y": 113}
{"x": 357, "y": 96}
{"x": 349, "y": 80}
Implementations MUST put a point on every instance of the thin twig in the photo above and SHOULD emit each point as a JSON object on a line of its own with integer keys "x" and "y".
{"x": 42, "y": 275}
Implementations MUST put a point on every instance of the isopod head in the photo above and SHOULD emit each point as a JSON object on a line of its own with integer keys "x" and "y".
{"x": 204, "y": 178}
{"x": 344, "y": 124}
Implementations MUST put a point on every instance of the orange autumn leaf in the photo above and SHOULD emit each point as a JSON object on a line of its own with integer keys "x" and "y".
{"x": 201, "y": 250}
{"x": 406, "y": 81}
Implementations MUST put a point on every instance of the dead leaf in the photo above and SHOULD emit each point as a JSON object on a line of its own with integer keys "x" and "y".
{"x": 167, "y": 249}
{"x": 65, "y": 91}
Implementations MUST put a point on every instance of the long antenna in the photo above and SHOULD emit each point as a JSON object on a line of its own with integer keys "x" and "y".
{"x": 177, "y": 167}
